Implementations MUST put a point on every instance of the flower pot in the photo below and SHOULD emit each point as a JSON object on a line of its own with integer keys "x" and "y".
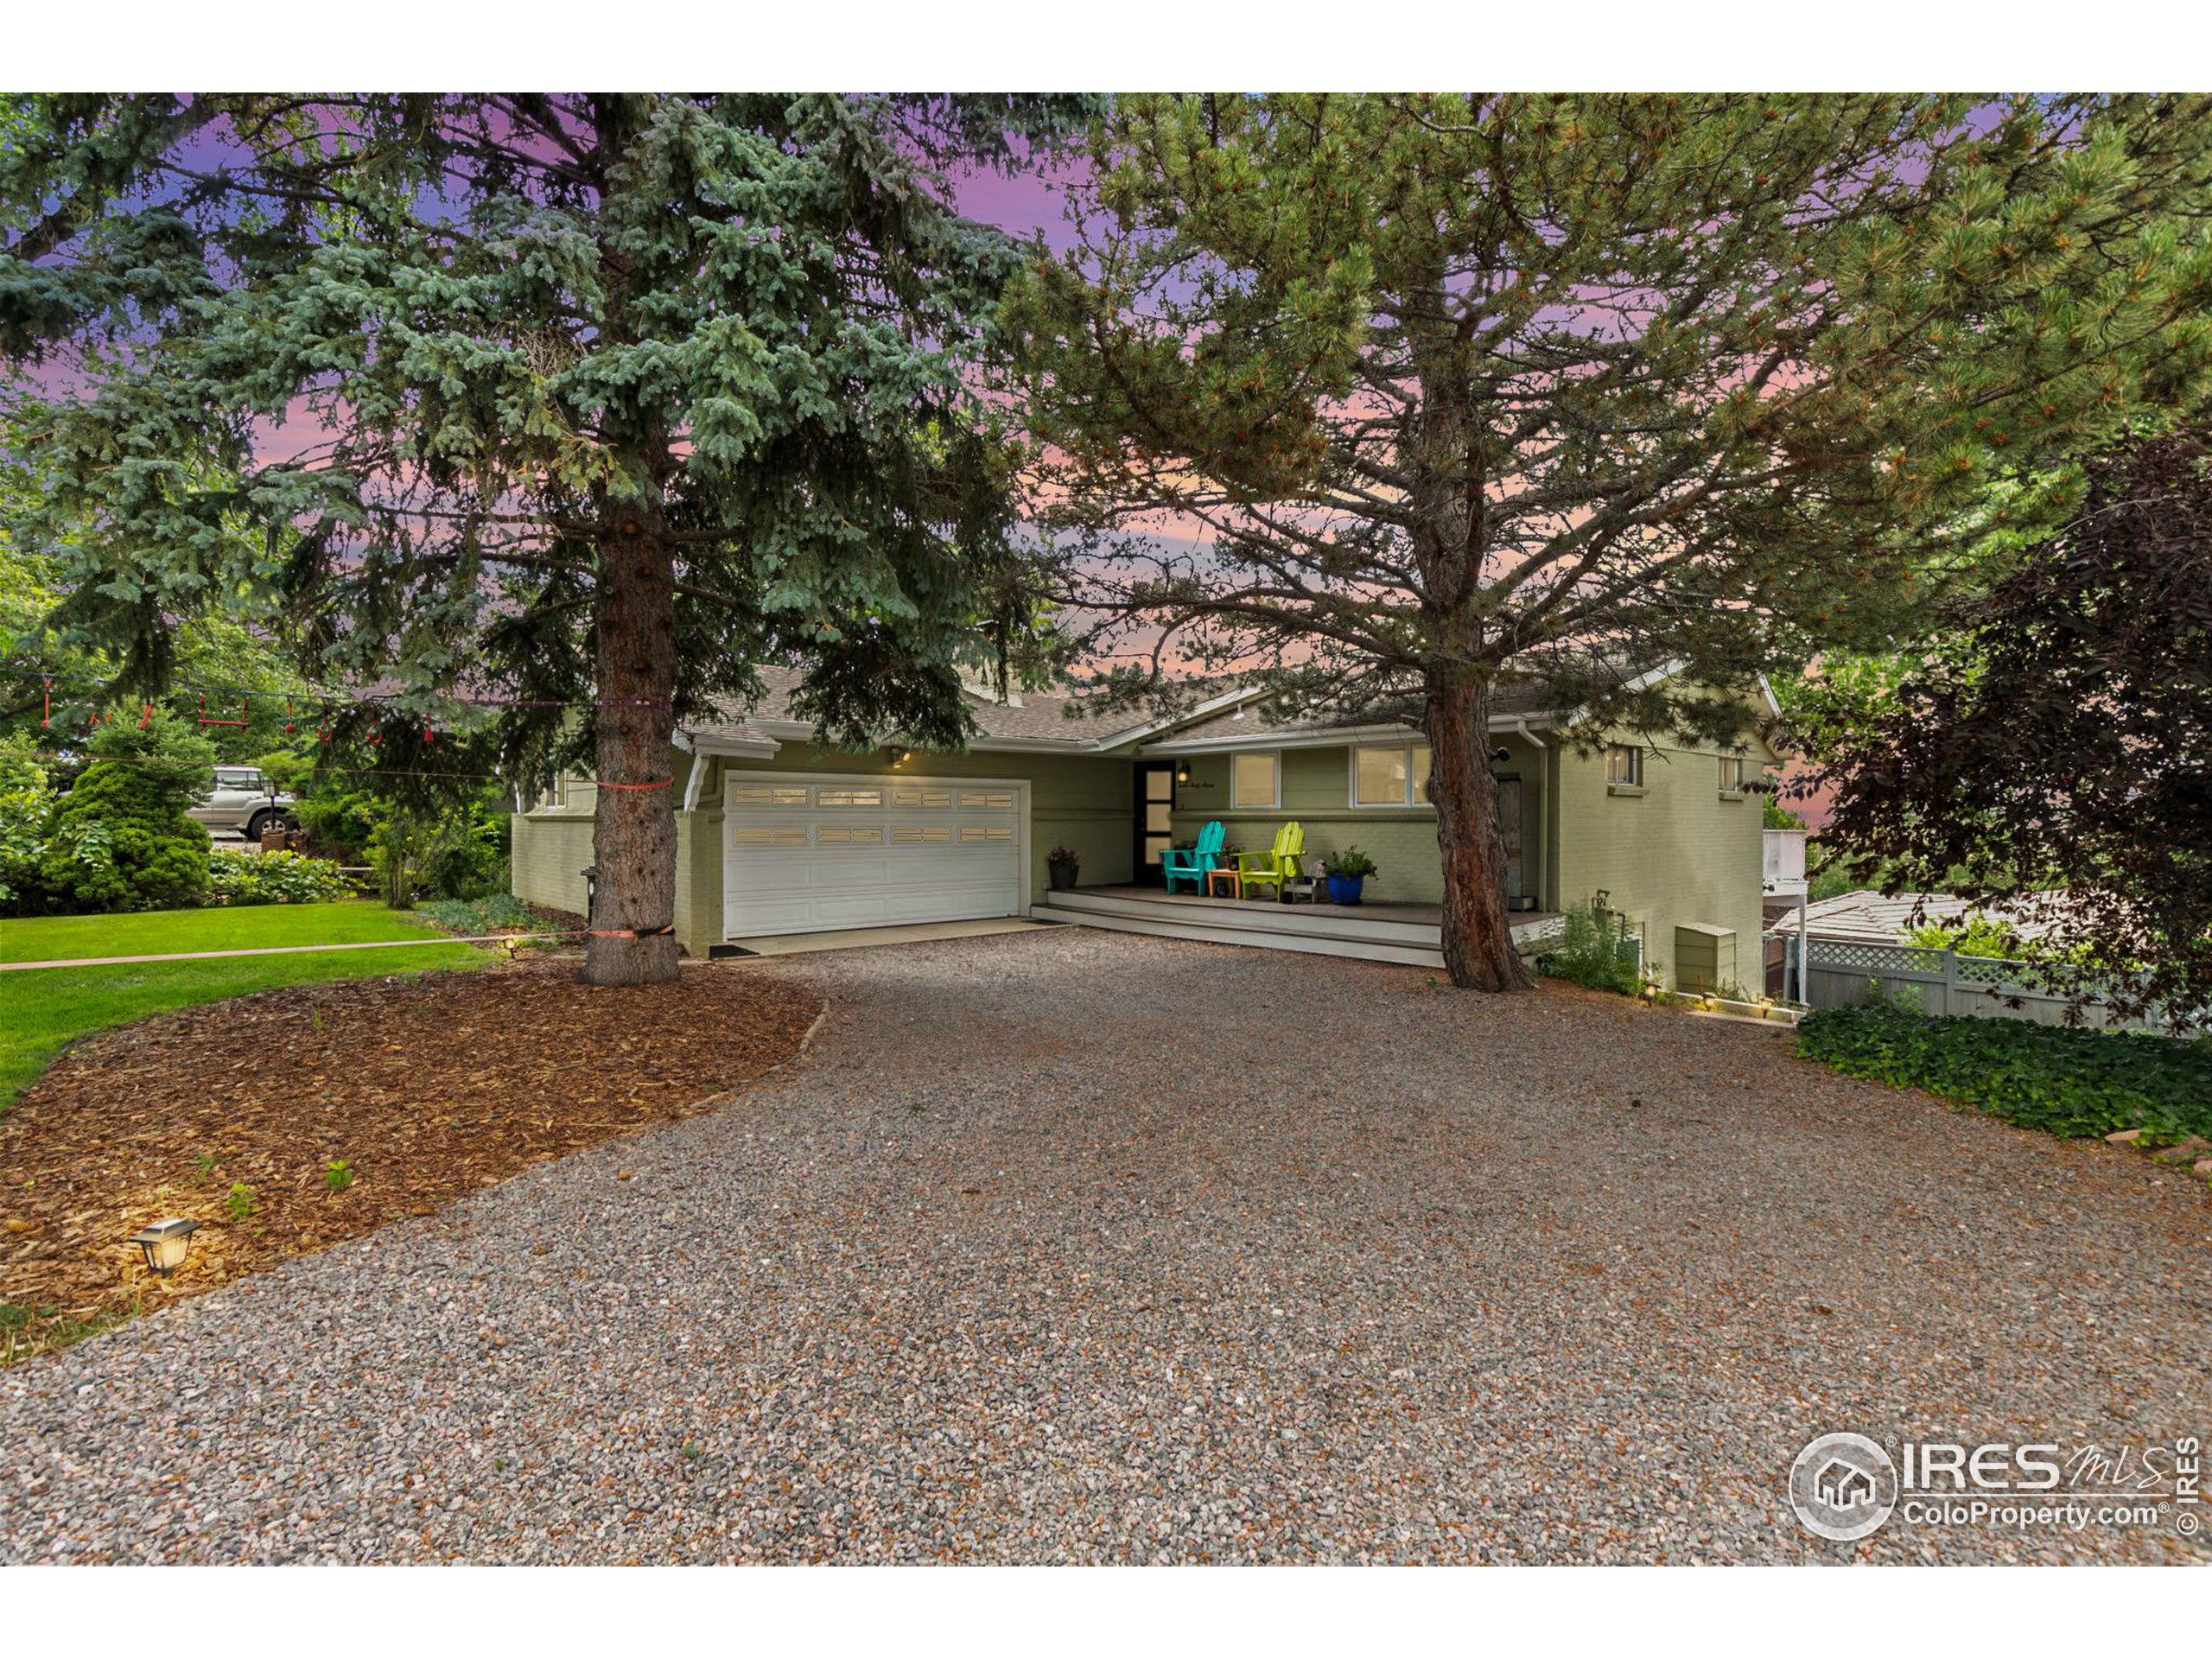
{"x": 1062, "y": 875}
{"x": 1345, "y": 889}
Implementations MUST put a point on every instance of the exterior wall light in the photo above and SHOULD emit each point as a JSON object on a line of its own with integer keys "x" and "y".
{"x": 897, "y": 756}
{"x": 165, "y": 1244}
{"x": 1182, "y": 772}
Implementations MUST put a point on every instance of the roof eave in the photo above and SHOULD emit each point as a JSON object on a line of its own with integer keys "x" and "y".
{"x": 1330, "y": 737}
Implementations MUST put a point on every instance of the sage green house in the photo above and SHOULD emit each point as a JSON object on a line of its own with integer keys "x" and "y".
{"x": 777, "y": 836}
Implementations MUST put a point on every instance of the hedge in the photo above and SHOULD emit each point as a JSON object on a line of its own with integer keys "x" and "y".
{"x": 2070, "y": 1081}
{"x": 237, "y": 877}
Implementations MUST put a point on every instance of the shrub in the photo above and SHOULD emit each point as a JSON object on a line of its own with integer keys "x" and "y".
{"x": 120, "y": 839}
{"x": 236, "y": 876}
{"x": 25, "y": 803}
{"x": 468, "y": 856}
{"x": 449, "y": 850}
{"x": 340, "y": 822}
{"x": 1978, "y": 936}
{"x": 1595, "y": 950}
{"x": 2069, "y": 1081}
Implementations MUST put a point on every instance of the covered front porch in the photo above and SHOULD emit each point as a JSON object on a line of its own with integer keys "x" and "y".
{"x": 1411, "y": 934}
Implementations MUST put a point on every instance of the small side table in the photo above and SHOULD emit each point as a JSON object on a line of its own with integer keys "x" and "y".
{"x": 1231, "y": 875}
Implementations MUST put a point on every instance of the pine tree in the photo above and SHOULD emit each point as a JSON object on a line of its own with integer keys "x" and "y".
{"x": 1450, "y": 390}
{"x": 587, "y": 403}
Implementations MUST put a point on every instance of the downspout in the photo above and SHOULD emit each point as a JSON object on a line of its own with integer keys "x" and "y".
{"x": 698, "y": 773}
{"x": 1549, "y": 888}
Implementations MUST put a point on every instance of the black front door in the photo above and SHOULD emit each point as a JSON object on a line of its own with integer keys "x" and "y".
{"x": 1155, "y": 830}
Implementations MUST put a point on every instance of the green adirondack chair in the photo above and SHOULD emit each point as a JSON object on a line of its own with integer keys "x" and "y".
{"x": 1278, "y": 866}
{"x": 1191, "y": 863}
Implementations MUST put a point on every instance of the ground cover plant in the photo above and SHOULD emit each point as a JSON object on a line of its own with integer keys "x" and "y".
{"x": 2069, "y": 1080}
{"x": 496, "y": 913}
{"x": 42, "y": 1012}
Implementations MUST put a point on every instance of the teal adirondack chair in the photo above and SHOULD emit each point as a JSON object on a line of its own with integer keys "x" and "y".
{"x": 1191, "y": 863}
{"x": 1276, "y": 867}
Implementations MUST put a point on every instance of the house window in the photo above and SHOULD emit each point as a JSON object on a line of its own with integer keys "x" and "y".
{"x": 1253, "y": 780}
{"x": 1625, "y": 764}
{"x": 1732, "y": 774}
{"x": 1390, "y": 775}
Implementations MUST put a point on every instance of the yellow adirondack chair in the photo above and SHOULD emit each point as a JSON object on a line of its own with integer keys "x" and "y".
{"x": 1278, "y": 866}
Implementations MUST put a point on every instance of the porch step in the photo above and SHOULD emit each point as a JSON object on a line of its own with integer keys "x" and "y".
{"x": 1306, "y": 920}
{"x": 1321, "y": 936}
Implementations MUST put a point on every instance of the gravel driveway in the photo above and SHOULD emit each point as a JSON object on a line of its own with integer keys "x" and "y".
{"x": 1068, "y": 1245}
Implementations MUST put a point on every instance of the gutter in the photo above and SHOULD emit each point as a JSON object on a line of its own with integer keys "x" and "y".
{"x": 1330, "y": 737}
{"x": 760, "y": 741}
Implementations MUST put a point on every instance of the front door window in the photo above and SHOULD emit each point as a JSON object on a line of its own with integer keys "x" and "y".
{"x": 1156, "y": 819}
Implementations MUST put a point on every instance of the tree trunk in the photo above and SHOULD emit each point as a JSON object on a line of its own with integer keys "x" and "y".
{"x": 1479, "y": 950}
{"x": 634, "y": 840}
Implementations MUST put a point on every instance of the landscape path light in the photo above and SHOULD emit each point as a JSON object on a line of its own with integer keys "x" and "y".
{"x": 165, "y": 1244}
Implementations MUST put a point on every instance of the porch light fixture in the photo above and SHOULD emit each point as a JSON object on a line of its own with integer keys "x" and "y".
{"x": 165, "y": 1244}
{"x": 896, "y": 755}
{"x": 1182, "y": 772}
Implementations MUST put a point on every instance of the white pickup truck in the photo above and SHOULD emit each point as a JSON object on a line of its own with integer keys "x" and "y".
{"x": 244, "y": 802}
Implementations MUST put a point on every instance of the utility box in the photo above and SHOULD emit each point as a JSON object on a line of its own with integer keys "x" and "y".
{"x": 1705, "y": 957}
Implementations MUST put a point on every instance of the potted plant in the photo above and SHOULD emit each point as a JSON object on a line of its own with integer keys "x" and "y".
{"x": 1061, "y": 865}
{"x": 1346, "y": 871}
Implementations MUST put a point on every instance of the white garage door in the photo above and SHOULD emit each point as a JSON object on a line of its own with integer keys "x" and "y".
{"x": 800, "y": 855}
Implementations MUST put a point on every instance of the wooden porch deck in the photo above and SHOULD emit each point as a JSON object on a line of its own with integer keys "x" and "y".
{"x": 1411, "y": 934}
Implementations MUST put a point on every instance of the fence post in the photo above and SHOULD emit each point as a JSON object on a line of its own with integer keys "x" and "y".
{"x": 1950, "y": 981}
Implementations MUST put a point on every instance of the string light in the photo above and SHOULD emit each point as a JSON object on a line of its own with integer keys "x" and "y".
{"x": 366, "y": 700}
{"x": 343, "y": 771}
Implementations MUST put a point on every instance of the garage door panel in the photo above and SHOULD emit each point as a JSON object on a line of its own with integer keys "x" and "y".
{"x": 862, "y": 852}
{"x": 791, "y": 914}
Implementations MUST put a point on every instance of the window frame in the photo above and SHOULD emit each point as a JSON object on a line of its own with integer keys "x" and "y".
{"x": 1635, "y": 752}
{"x": 1273, "y": 758}
{"x": 1416, "y": 777}
{"x": 1733, "y": 791}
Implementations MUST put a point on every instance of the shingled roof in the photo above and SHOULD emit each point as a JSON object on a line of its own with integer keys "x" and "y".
{"x": 1506, "y": 702}
{"x": 1073, "y": 718}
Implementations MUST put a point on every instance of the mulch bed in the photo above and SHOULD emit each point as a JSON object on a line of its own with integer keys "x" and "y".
{"x": 428, "y": 1089}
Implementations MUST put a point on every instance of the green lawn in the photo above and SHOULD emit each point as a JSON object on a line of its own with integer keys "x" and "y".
{"x": 44, "y": 1010}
